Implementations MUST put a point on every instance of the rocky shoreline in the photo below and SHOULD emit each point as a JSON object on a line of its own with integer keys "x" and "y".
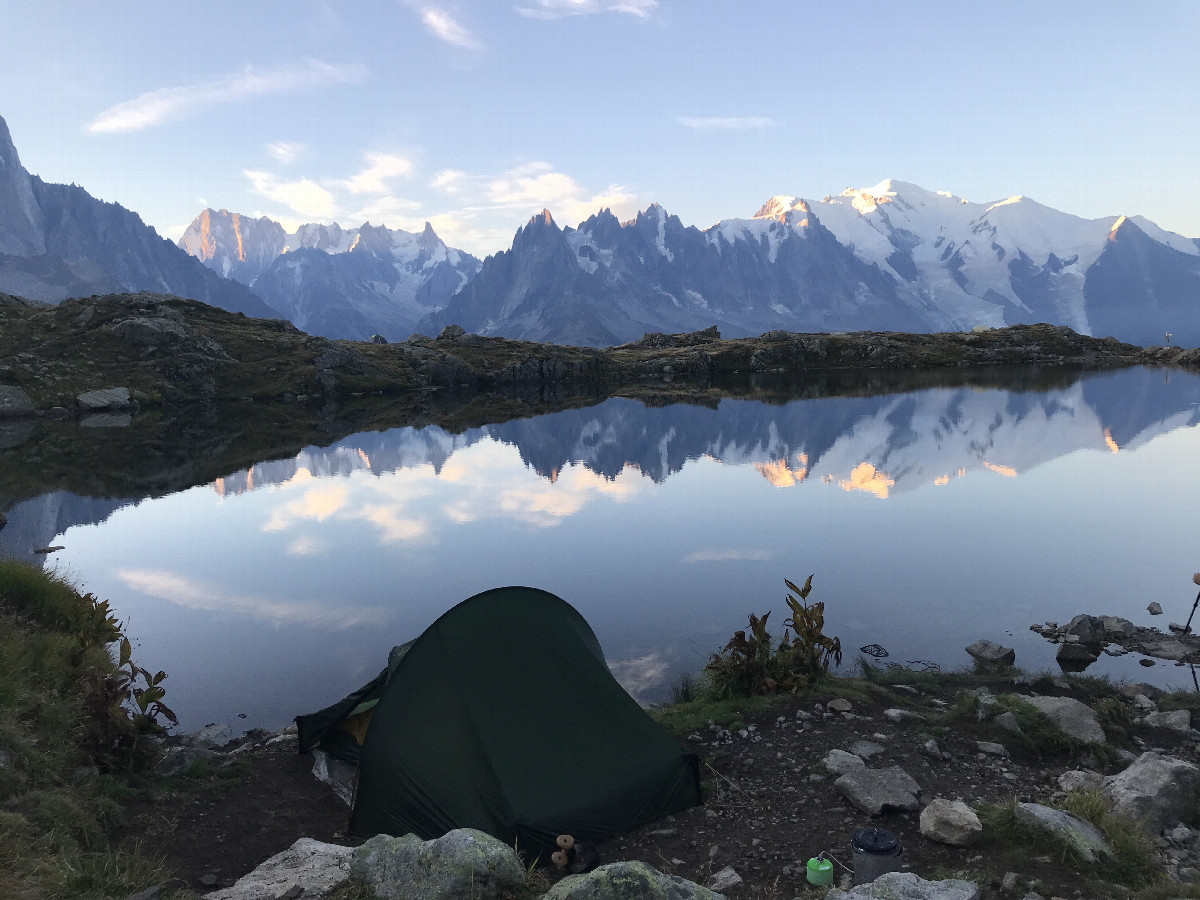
{"x": 939, "y": 761}
{"x": 148, "y": 349}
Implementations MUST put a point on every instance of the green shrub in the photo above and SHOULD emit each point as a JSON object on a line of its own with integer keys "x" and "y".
{"x": 751, "y": 664}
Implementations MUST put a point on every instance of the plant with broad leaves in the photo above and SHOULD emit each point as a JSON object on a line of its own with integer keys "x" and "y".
{"x": 749, "y": 664}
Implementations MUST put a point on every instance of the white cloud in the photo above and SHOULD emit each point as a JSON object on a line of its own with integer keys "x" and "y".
{"x": 381, "y": 168}
{"x": 285, "y": 152}
{"x": 725, "y": 123}
{"x": 727, "y": 555}
{"x": 557, "y": 9}
{"x": 448, "y": 180}
{"x": 445, "y": 27}
{"x": 305, "y": 197}
{"x": 156, "y": 107}
{"x": 194, "y": 594}
{"x": 537, "y": 185}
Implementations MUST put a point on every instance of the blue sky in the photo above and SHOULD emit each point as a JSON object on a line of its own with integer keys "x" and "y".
{"x": 474, "y": 114}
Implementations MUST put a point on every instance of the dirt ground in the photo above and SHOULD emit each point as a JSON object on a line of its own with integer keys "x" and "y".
{"x": 769, "y": 805}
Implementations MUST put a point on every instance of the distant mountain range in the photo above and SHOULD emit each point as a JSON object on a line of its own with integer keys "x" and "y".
{"x": 338, "y": 283}
{"x": 58, "y": 241}
{"x": 891, "y": 257}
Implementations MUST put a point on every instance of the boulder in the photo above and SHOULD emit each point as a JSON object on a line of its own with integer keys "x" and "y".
{"x": 907, "y": 886}
{"x": 865, "y": 749}
{"x": 839, "y": 762}
{"x": 1081, "y": 837}
{"x": 1115, "y": 628}
{"x": 461, "y": 864}
{"x": 1088, "y": 629}
{"x": 991, "y": 654}
{"x": 1008, "y": 721}
{"x": 115, "y": 398}
{"x": 14, "y": 402}
{"x": 212, "y": 736}
{"x": 875, "y": 790}
{"x": 628, "y": 881}
{"x": 1071, "y": 656}
{"x": 1157, "y": 790}
{"x": 1154, "y": 608}
{"x": 1176, "y": 720}
{"x": 311, "y": 866}
{"x": 1072, "y": 717}
{"x": 950, "y": 822}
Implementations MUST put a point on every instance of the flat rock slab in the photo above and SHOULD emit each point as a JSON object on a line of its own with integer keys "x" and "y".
{"x": 875, "y": 790}
{"x": 866, "y": 749}
{"x": 907, "y": 886}
{"x": 313, "y": 866}
{"x": 1072, "y": 717}
{"x": 1082, "y": 837}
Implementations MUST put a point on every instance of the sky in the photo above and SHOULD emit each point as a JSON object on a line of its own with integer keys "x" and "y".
{"x": 473, "y": 115}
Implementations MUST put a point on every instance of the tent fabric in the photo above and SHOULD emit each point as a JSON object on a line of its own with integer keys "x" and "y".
{"x": 503, "y": 716}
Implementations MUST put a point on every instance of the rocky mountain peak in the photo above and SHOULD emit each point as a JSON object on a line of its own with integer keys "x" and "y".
{"x": 22, "y": 223}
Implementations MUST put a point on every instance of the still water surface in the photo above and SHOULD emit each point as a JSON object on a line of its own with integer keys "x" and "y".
{"x": 929, "y": 519}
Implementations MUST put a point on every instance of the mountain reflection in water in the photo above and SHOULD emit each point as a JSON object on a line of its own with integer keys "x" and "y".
{"x": 930, "y": 519}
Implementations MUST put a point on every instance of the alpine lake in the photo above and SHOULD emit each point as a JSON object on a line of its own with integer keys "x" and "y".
{"x": 929, "y": 518}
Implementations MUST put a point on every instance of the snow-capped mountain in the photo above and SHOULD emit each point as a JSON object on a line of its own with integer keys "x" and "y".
{"x": 333, "y": 281}
{"x": 58, "y": 241}
{"x": 891, "y": 257}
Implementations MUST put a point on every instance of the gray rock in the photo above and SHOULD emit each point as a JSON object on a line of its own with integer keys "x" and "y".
{"x": 875, "y": 790}
{"x": 866, "y": 749}
{"x": 991, "y": 748}
{"x": 1083, "y": 838}
{"x": 461, "y": 864}
{"x": 950, "y": 822}
{"x": 1156, "y": 789}
{"x": 1008, "y": 721}
{"x": 840, "y": 704}
{"x": 1075, "y": 654}
{"x": 1079, "y": 780}
{"x": 631, "y": 881}
{"x": 723, "y": 880}
{"x": 313, "y": 866}
{"x": 932, "y": 750}
{"x": 907, "y": 886}
{"x": 900, "y": 715}
{"x": 211, "y": 736}
{"x": 1155, "y": 608}
{"x": 839, "y": 762}
{"x": 14, "y": 402}
{"x": 992, "y": 654}
{"x": 1176, "y": 720}
{"x": 116, "y": 398}
{"x": 1088, "y": 629}
{"x": 1114, "y": 627}
{"x": 1071, "y": 716}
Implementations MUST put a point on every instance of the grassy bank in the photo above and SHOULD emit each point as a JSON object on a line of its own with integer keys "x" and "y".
{"x": 66, "y": 757}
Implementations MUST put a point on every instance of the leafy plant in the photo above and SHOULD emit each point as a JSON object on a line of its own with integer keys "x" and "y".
{"x": 751, "y": 664}
{"x": 127, "y": 703}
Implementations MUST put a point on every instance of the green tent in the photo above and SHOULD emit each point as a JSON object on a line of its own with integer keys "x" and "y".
{"x": 503, "y": 716}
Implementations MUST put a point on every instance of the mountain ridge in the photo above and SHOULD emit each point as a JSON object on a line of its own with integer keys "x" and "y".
{"x": 58, "y": 241}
